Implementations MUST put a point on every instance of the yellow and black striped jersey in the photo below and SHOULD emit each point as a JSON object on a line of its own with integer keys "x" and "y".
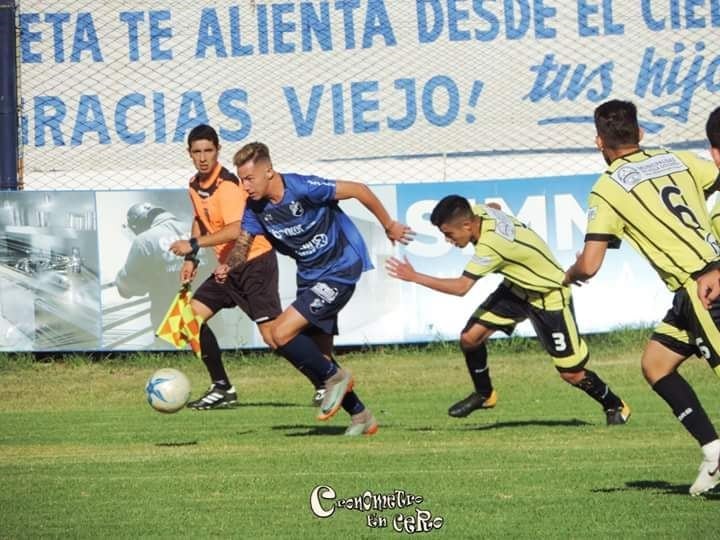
{"x": 656, "y": 200}
{"x": 509, "y": 247}
{"x": 715, "y": 218}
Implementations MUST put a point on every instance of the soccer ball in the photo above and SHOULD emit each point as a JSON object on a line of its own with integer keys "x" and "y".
{"x": 167, "y": 390}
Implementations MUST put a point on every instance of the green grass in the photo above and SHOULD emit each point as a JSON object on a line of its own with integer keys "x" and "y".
{"x": 82, "y": 455}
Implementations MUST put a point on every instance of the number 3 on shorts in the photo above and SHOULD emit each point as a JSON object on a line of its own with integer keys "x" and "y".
{"x": 559, "y": 339}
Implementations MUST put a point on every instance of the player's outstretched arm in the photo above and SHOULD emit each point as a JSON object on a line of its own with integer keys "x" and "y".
{"x": 588, "y": 262}
{"x": 228, "y": 233}
{"x": 236, "y": 257}
{"x": 404, "y": 270}
{"x": 395, "y": 231}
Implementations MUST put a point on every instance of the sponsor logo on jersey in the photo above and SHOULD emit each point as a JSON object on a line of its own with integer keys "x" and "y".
{"x": 318, "y": 242}
{"x": 295, "y": 230}
{"x": 592, "y": 213}
{"x": 632, "y": 174}
{"x": 296, "y": 209}
{"x": 319, "y": 183}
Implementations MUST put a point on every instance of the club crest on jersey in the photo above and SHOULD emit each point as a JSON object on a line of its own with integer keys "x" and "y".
{"x": 316, "y": 305}
{"x": 324, "y": 292}
{"x": 268, "y": 218}
{"x": 296, "y": 209}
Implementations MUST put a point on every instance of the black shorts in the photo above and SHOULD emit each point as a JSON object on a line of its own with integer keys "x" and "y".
{"x": 321, "y": 302}
{"x": 253, "y": 287}
{"x": 556, "y": 329}
{"x": 688, "y": 328}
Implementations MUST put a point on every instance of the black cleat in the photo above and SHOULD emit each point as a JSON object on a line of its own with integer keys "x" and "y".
{"x": 471, "y": 403}
{"x": 215, "y": 398}
{"x": 617, "y": 417}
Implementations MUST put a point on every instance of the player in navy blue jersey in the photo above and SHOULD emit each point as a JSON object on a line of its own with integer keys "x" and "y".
{"x": 301, "y": 217}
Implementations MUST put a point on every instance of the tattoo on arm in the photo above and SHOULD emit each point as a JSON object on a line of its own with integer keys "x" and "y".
{"x": 239, "y": 253}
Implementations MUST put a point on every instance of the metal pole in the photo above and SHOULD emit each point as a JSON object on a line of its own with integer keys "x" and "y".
{"x": 8, "y": 97}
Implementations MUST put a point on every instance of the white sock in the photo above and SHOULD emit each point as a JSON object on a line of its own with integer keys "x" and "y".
{"x": 711, "y": 450}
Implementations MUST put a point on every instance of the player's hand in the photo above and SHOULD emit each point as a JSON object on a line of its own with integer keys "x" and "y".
{"x": 399, "y": 232}
{"x": 569, "y": 280}
{"x": 181, "y": 247}
{"x": 188, "y": 271}
{"x": 708, "y": 287}
{"x": 400, "y": 269}
{"x": 221, "y": 273}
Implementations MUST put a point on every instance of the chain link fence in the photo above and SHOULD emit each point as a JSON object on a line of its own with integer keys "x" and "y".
{"x": 383, "y": 91}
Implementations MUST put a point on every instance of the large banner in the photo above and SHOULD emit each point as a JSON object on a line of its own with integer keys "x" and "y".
{"x": 92, "y": 270}
{"x": 110, "y": 86}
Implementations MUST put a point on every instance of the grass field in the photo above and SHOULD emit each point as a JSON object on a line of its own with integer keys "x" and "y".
{"x": 82, "y": 454}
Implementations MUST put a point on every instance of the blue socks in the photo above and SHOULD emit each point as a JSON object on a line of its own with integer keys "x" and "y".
{"x": 302, "y": 352}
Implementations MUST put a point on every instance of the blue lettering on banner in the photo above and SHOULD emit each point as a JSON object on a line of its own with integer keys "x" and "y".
{"x": 317, "y": 25}
{"x": 588, "y": 8}
{"x": 51, "y": 117}
{"x": 210, "y": 35}
{"x": 561, "y": 81}
{"x": 361, "y": 105}
{"x": 58, "y": 20}
{"x": 187, "y": 119}
{"x": 158, "y": 34}
{"x": 49, "y": 112}
{"x": 84, "y": 37}
{"x": 282, "y": 26}
{"x": 377, "y": 24}
{"x": 440, "y": 104}
{"x": 159, "y": 117}
{"x": 518, "y": 17}
{"x": 121, "y": 126}
{"x": 436, "y": 118}
{"x": 227, "y": 105}
{"x": 90, "y": 118}
{"x": 682, "y": 15}
{"x": 28, "y": 37}
{"x": 407, "y": 86}
{"x": 132, "y": 19}
{"x": 660, "y": 77}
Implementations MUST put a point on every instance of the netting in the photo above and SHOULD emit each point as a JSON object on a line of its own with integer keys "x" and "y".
{"x": 375, "y": 90}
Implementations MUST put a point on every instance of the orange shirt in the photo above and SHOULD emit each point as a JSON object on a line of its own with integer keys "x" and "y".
{"x": 219, "y": 201}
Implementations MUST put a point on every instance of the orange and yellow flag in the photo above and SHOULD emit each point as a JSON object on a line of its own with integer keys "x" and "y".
{"x": 180, "y": 326}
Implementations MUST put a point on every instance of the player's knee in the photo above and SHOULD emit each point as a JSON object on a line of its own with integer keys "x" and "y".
{"x": 280, "y": 336}
{"x": 572, "y": 377}
{"x": 201, "y": 309}
{"x": 469, "y": 342}
{"x": 267, "y": 337}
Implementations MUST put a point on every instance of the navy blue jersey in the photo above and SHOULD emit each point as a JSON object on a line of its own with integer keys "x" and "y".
{"x": 309, "y": 226}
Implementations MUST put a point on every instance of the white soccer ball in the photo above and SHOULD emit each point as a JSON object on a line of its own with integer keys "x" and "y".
{"x": 167, "y": 390}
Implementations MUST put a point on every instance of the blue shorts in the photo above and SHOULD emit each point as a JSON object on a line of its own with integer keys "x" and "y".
{"x": 320, "y": 303}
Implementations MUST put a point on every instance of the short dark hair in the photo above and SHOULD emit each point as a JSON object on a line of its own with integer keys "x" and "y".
{"x": 254, "y": 151}
{"x": 449, "y": 209}
{"x": 203, "y": 132}
{"x": 712, "y": 128}
{"x": 617, "y": 123}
